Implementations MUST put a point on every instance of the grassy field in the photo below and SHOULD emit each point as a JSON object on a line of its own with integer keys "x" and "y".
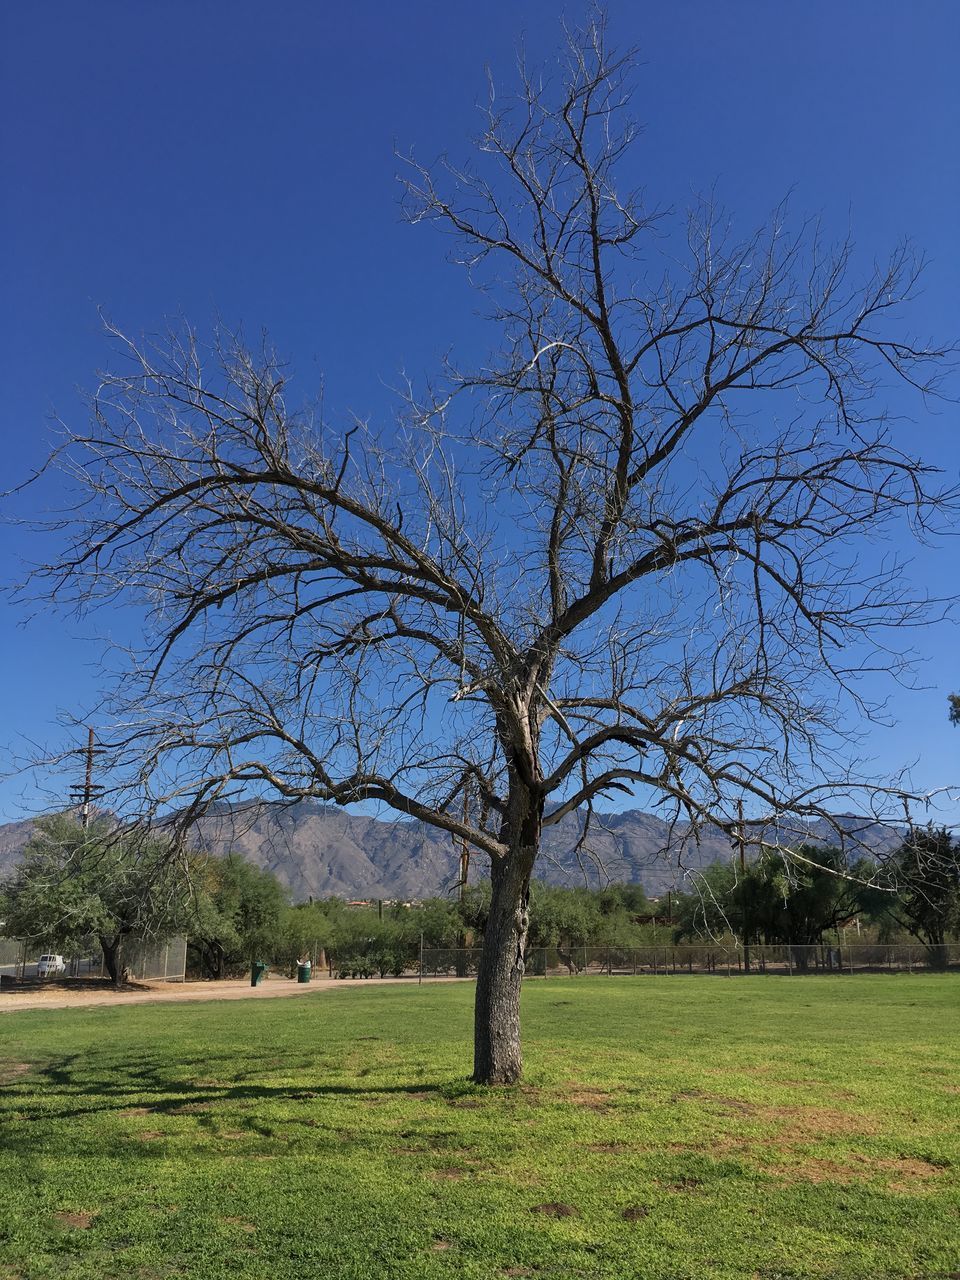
{"x": 667, "y": 1128}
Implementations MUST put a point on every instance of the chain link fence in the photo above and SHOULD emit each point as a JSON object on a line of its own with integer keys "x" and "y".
{"x": 144, "y": 959}
{"x": 721, "y": 959}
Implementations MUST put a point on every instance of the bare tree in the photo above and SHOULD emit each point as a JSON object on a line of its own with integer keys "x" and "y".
{"x": 632, "y": 554}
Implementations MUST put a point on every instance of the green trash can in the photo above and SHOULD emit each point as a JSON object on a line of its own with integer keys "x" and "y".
{"x": 303, "y": 971}
{"x": 257, "y": 972}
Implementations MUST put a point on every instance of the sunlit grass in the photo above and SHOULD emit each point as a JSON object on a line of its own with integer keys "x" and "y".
{"x": 666, "y": 1128}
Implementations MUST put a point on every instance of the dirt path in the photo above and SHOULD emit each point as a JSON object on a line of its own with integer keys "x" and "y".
{"x": 59, "y": 997}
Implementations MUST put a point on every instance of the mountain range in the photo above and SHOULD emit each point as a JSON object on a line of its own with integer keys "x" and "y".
{"x": 321, "y": 851}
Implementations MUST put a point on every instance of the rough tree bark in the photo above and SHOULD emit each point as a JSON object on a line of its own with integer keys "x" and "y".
{"x": 112, "y": 947}
{"x": 620, "y": 559}
{"x": 496, "y": 1046}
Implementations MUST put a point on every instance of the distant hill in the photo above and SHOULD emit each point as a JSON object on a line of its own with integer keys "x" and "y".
{"x": 324, "y": 851}
{"x": 13, "y": 841}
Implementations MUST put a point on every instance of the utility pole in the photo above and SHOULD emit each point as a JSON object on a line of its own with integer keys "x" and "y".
{"x": 741, "y": 842}
{"x": 84, "y": 795}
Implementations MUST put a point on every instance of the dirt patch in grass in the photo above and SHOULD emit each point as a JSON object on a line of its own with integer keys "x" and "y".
{"x": 10, "y": 1071}
{"x": 581, "y": 1095}
{"x": 440, "y": 1245}
{"x": 149, "y": 1135}
{"x": 903, "y": 1173}
{"x": 794, "y": 1123}
{"x": 785, "y": 1158}
{"x": 138, "y": 1111}
{"x": 684, "y": 1183}
{"x": 242, "y": 1223}
{"x": 555, "y": 1209}
{"x": 80, "y": 1221}
{"x": 804, "y": 1123}
{"x": 191, "y": 1108}
{"x": 449, "y": 1173}
{"x": 635, "y": 1212}
{"x": 608, "y": 1148}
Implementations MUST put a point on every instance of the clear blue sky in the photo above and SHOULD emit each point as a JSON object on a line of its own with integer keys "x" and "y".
{"x": 226, "y": 158}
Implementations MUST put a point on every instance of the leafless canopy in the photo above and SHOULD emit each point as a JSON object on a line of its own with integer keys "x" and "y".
{"x": 639, "y": 551}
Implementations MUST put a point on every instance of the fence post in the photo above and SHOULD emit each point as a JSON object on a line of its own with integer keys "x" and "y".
{"x": 420, "y": 977}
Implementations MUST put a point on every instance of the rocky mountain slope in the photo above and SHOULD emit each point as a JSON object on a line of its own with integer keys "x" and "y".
{"x": 319, "y": 850}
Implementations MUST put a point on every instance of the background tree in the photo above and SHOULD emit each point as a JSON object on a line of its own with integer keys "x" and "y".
{"x": 793, "y": 902}
{"x": 77, "y": 882}
{"x": 713, "y": 907}
{"x": 621, "y": 554}
{"x": 236, "y": 914}
{"x": 307, "y": 930}
{"x": 824, "y": 891}
{"x": 562, "y": 918}
{"x": 926, "y": 874}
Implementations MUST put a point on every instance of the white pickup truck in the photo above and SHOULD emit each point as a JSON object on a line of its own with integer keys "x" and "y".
{"x": 49, "y": 966}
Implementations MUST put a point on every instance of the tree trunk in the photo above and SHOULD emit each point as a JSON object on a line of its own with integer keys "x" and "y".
{"x": 496, "y": 1045}
{"x": 111, "y": 948}
{"x": 938, "y": 954}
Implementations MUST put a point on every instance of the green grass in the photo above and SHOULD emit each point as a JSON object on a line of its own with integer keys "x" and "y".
{"x": 756, "y": 1128}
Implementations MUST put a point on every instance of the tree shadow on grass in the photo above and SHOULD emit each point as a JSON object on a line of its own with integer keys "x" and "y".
{"x": 78, "y": 1085}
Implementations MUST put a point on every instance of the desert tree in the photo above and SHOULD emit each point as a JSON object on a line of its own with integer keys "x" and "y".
{"x": 78, "y": 882}
{"x": 235, "y": 912}
{"x": 636, "y": 551}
